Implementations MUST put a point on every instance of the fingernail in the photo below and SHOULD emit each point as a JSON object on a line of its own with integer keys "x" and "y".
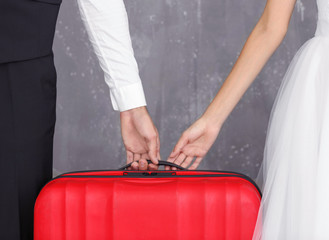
{"x": 142, "y": 164}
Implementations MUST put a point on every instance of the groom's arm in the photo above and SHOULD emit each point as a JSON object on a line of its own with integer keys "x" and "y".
{"x": 107, "y": 25}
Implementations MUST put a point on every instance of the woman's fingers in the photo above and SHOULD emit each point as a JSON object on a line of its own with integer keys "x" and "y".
{"x": 183, "y": 140}
{"x": 187, "y": 161}
{"x": 195, "y": 164}
{"x": 191, "y": 150}
{"x": 179, "y": 160}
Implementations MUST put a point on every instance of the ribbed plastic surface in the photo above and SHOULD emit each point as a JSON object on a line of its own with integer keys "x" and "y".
{"x": 175, "y": 207}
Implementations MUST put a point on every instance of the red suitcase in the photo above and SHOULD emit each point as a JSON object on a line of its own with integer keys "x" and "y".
{"x": 161, "y": 205}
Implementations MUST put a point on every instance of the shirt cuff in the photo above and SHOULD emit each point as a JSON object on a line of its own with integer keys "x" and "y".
{"x": 128, "y": 97}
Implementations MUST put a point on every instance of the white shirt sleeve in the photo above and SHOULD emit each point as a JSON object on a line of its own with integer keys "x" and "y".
{"x": 107, "y": 25}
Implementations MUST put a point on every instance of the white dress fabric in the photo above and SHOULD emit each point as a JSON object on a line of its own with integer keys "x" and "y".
{"x": 294, "y": 175}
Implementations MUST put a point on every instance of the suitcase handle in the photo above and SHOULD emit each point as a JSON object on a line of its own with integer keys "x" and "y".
{"x": 161, "y": 162}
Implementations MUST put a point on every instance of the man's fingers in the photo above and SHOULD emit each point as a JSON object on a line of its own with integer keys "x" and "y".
{"x": 150, "y": 166}
{"x": 137, "y": 156}
{"x": 134, "y": 166}
{"x": 143, "y": 164}
{"x": 145, "y": 156}
{"x": 158, "y": 145}
{"x": 152, "y": 146}
{"x": 130, "y": 158}
{"x": 159, "y": 158}
{"x": 153, "y": 167}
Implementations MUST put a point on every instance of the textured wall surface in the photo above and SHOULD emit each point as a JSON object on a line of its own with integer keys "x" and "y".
{"x": 185, "y": 49}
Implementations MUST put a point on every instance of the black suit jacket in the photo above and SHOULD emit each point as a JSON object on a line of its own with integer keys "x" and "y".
{"x": 27, "y": 28}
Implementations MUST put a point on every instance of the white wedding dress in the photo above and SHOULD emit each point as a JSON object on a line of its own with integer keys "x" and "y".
{"x": 294, "y": 175}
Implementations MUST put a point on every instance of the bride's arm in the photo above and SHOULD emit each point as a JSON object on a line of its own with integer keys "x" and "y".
{"x": 260, "y": 45}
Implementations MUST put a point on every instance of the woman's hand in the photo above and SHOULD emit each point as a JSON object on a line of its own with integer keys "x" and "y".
{"x": 194, "y": 142}
{"x": 260, "y": 45}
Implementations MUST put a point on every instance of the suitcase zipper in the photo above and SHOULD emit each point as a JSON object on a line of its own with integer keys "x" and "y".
{"x": 155, "y": 174}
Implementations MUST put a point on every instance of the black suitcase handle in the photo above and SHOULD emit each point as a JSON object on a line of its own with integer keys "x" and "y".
{"x": 161, "y": 162}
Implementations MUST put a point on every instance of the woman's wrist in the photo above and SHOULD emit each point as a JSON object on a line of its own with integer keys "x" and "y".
{"x": 213, "y": 118}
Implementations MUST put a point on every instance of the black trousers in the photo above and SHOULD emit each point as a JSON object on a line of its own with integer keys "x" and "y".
{"x": 27, "y": 120}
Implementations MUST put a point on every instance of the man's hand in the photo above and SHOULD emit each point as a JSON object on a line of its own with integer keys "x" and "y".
{"x": 195, "y": 142}
{"x": 141, "y": 138}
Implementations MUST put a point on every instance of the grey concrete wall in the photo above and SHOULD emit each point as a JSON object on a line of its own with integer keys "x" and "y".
{"x": 185, "y": 49}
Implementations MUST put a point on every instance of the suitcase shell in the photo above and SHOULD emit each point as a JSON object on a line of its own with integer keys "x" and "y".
{"x": 127, "y": 204}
